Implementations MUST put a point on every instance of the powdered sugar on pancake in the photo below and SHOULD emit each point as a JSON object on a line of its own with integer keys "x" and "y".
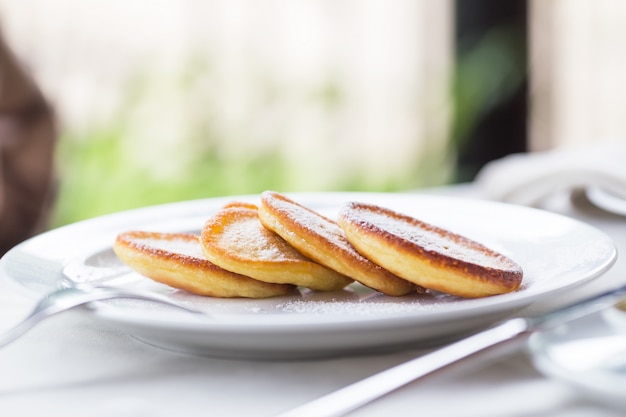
{"x": 430, "y": 238}
{"x": 188, "y": 246}
{"x": 248, "y": 237}
{"x": 316, "y": 223}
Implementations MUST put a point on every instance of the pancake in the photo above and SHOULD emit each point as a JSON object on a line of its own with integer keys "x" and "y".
{"x": 428, "y": 255}
{"x": 322, "y": 240}
{"x": 240, "y": 204}
{"x": 176, "y": 259}
{"x": 235, "y": 239}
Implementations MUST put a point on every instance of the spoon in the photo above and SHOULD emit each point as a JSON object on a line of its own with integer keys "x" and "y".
{"x": 67, "y": 298}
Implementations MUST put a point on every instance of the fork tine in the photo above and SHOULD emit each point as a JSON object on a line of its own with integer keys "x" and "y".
{"x": 67, "y": 298}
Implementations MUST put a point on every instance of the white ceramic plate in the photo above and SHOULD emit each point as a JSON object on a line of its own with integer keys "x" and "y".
{"x": 556, "y": 253}
{"x": 588, "y": 354}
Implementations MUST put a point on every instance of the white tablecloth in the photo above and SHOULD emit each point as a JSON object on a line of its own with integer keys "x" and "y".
{"x": 71, "y": 365}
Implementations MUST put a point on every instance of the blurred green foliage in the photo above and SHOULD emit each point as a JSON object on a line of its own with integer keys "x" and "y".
{"x": 486, "y": 74}
{"x": 105, "y": 169}
{"x": 98, "y": 177}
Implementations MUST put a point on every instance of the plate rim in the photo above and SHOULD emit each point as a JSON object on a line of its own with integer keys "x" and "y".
{"x": 507, "y": 302}
{"x": 539, "y": 347}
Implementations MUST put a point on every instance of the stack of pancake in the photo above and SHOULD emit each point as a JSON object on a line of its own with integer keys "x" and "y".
{"x": 245, "y": 250}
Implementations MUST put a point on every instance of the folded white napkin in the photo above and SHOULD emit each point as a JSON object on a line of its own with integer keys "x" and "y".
{"x": 529, "y": 178}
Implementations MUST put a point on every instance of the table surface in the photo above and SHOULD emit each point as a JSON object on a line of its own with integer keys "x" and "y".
{"x": 72, "y": 365}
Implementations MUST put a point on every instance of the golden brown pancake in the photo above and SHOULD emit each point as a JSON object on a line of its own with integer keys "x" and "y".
{"x": 241, "y": 204}
{"x": 176, "y": 259}
{"x": 322, "y": 240}
{"x": 235, "y": 239}
{"x": 428, "y": 255}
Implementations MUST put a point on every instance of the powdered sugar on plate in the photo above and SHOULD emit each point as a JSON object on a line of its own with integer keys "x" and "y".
{"x": 375, "y": 305}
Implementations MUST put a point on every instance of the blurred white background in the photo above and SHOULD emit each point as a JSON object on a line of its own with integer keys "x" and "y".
{"x": 336, "y": 85}
{"x": 163, "y": 100}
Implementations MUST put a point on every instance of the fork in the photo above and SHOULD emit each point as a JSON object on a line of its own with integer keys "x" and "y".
{"x": 67, "y": 298}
